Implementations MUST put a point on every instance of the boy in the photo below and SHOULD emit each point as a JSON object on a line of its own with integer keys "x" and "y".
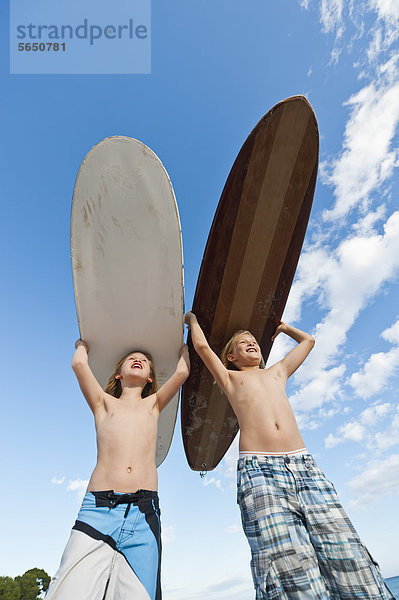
{"x": 114, "y": 551}
{"x": 302, "y": 543}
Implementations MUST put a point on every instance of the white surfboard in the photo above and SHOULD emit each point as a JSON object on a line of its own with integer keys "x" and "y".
{"x": 127, "y": 263}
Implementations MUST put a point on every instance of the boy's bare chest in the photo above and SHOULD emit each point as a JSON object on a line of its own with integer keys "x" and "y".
{"x": 120, "y": 416}
{"x": 255, "y": 384}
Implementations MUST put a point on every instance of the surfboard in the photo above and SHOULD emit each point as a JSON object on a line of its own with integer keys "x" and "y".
{"x": 249, "y": 262}
{"x": 126, "y": 250}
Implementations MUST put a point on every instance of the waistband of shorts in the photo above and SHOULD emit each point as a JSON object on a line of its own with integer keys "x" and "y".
{"x": 299, "y": 452}
{"x": 276, "y": 460}
{"x": 111, "y": 499}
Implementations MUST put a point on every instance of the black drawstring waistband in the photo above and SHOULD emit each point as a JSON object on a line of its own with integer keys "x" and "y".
{"x": 110, "y": 499}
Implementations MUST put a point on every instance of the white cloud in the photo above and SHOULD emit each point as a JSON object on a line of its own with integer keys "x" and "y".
{"x": 384, "y": 28}
{"x": 372, "y": 414}
{"x": 343, "y": 280}
{"x": 79, "y": 486}
{"x": 335, "y": 54}
{"x": 390, "y": 437}
{"x": 388, "y": 10}
{"x": 352, "y": 431}
{"x": 327, "y": 413}
{"x": 304, "y": 4}
{"x": 314, "y": 265}
{"x": 380, "y": 367}
{"x": 305, "y": 423}
{"x": 379, "y": 479}
{"x": 233, "y": 529}
{"x": 376, "y": 45}
{"x": 358, "y": 430}
{"x": 346, "y": 281}
{"x": 310, "y": 422}
{"x": 324, "y": 386}
{"x": 228, "y": 466}
{"x": 58, "y": 481}
{"x": 366, "y": 225}
{"x": 376, "y": 373}
{"x": 332, "y": 440}
{"x": 74, "y": 485}
{"x": 331, "y": 16}
{"x": 213, "y": 481}
{"x": 383, "y": 37}
{"x": 389, "y": 69}
{"x": 168, "y": 534}
{"x": 368, "y": 159}
{"x": 332, "y": 21}
{"x": 392, "y": 333}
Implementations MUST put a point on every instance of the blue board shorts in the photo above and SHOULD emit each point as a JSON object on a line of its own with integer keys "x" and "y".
{"x": 114, "y": 551}
{"x": 303, "y": 545}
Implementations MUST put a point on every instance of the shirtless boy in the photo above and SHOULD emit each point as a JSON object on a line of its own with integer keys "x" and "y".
{"x": 302, "y": 543}
{"x": 114, "y": 551}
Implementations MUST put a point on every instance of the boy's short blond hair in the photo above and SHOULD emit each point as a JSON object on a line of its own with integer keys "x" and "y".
{"x": 229, "y": 347}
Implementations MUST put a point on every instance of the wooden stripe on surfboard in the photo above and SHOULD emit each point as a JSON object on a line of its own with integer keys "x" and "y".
{"x": 250, "y": 260}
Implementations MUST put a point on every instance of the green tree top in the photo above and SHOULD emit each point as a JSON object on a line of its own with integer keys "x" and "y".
{"x": 29, "y": 586}
{"x": 9, "y": 589}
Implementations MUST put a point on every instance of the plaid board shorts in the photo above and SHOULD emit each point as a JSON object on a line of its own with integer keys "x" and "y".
{"x": 114, "y": 551}
{"x": 303, "y": 545}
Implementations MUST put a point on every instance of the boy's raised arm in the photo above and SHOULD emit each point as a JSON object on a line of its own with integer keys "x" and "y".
{"x": 166, "y": 392}
{"x": 209, "y": 357}
{"x": 290, "y": 363}
{"x": 91, "y": 389}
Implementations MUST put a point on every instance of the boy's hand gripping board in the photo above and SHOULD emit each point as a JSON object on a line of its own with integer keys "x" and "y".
{"x": 249, "y": 262}
{"x": 127, "y": 263}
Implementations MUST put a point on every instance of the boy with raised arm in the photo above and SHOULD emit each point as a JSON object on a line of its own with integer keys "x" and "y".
{"x": 114, "y": 551}
{"x": 303, "y": 545}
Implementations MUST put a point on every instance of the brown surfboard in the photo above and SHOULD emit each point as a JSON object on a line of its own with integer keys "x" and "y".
{"x": 249, "y": 262}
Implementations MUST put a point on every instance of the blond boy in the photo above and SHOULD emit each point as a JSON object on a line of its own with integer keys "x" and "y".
{"x": 302, "y": 543}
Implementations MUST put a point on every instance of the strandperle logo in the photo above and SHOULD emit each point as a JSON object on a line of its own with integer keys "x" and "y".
{"x": 76, "y": 37}
{"x": 85, "y": 31}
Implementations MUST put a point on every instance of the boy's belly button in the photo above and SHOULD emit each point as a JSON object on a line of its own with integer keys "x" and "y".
{"x": 129, "y": 469}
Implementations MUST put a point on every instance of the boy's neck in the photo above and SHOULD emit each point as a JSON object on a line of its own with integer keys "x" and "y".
{"x": 132, "y": 392}
{"x": 248, "y": 368}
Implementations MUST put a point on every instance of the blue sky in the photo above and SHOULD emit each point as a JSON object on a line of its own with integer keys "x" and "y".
{"x": 216, "y": 69}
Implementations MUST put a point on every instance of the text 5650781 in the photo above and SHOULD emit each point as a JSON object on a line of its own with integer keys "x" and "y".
{"x": 41, "y": 47}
